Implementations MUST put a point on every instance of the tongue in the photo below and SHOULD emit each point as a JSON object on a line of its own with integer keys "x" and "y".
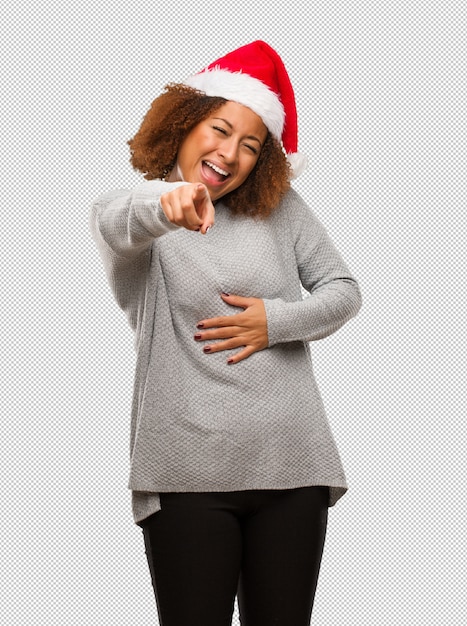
{"x": 212, "y": 174}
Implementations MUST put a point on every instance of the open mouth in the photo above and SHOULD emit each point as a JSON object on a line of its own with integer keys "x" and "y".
{"x": 216, "y": 173}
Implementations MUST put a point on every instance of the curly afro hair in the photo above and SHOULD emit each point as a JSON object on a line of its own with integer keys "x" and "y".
{"x": 169, "y": 120}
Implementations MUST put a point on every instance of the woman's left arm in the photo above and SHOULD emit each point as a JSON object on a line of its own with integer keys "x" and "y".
{"x": 334, "y": 298}
{"x": 333, "y": 293}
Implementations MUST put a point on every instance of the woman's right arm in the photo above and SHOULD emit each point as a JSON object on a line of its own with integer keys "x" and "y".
{"x": 124, "y": 225}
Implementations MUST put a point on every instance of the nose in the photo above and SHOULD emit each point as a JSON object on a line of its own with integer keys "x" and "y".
{"x": 228, "y": 150}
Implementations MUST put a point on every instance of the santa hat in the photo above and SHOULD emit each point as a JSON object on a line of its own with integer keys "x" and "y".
{"x": 255, "y": 76}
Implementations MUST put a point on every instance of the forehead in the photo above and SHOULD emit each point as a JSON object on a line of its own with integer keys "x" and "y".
{"x": 241, "y": 118}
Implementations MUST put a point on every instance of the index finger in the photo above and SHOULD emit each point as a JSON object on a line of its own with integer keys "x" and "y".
{"x": 208, "y": 221}
{"x": 204, "y": 207}
{"x": 219, "y": 322}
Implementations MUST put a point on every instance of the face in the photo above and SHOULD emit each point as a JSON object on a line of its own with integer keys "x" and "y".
{"x": 222, "y": 150}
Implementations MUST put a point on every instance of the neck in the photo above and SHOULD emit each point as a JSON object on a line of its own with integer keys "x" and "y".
{"x": 175, "y": 175}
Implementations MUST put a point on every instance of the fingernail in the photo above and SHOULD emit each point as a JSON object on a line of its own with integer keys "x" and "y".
{"x": 208, "y": 229}
{"x": 225, "y": 294}
{"x": 197, "y": 337}
{"x": 206, "y": 349}
{"x": 200, "y": 325}
{"x": 230, "y": 361}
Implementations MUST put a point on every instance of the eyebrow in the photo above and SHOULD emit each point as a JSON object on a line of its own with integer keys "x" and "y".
{"x": 222, "y": 119}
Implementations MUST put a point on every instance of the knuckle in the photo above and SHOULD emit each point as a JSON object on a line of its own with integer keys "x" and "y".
{"x": 186, "y": 205}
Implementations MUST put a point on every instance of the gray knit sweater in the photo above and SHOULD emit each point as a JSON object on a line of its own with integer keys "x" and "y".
{"x": 199, "y": 424}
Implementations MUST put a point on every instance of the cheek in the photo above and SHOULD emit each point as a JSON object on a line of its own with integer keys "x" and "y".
{"x": 248, "y": 167}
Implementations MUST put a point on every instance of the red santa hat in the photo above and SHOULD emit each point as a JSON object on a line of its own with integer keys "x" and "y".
{"x": 255, "y": 76}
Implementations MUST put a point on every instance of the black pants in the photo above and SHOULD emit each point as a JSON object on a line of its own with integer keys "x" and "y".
{"x": 266, "y": 546}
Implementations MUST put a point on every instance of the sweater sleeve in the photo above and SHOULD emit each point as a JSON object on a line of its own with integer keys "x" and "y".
{"x": 333, "y": 295}
{"x": 124, "y": 225}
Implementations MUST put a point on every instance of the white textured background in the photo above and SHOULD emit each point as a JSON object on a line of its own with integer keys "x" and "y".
{"x": 381, "y": 93}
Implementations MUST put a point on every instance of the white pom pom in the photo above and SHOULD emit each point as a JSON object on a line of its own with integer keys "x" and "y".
{"x": 298, "y": 163}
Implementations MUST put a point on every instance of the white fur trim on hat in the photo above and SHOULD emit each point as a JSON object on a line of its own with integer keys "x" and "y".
{"x": 244, "y": 89}
{"x": 298, "y": 163}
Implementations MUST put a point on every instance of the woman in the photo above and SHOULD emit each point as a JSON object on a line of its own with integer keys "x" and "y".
{"x": 233, "y": 465}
